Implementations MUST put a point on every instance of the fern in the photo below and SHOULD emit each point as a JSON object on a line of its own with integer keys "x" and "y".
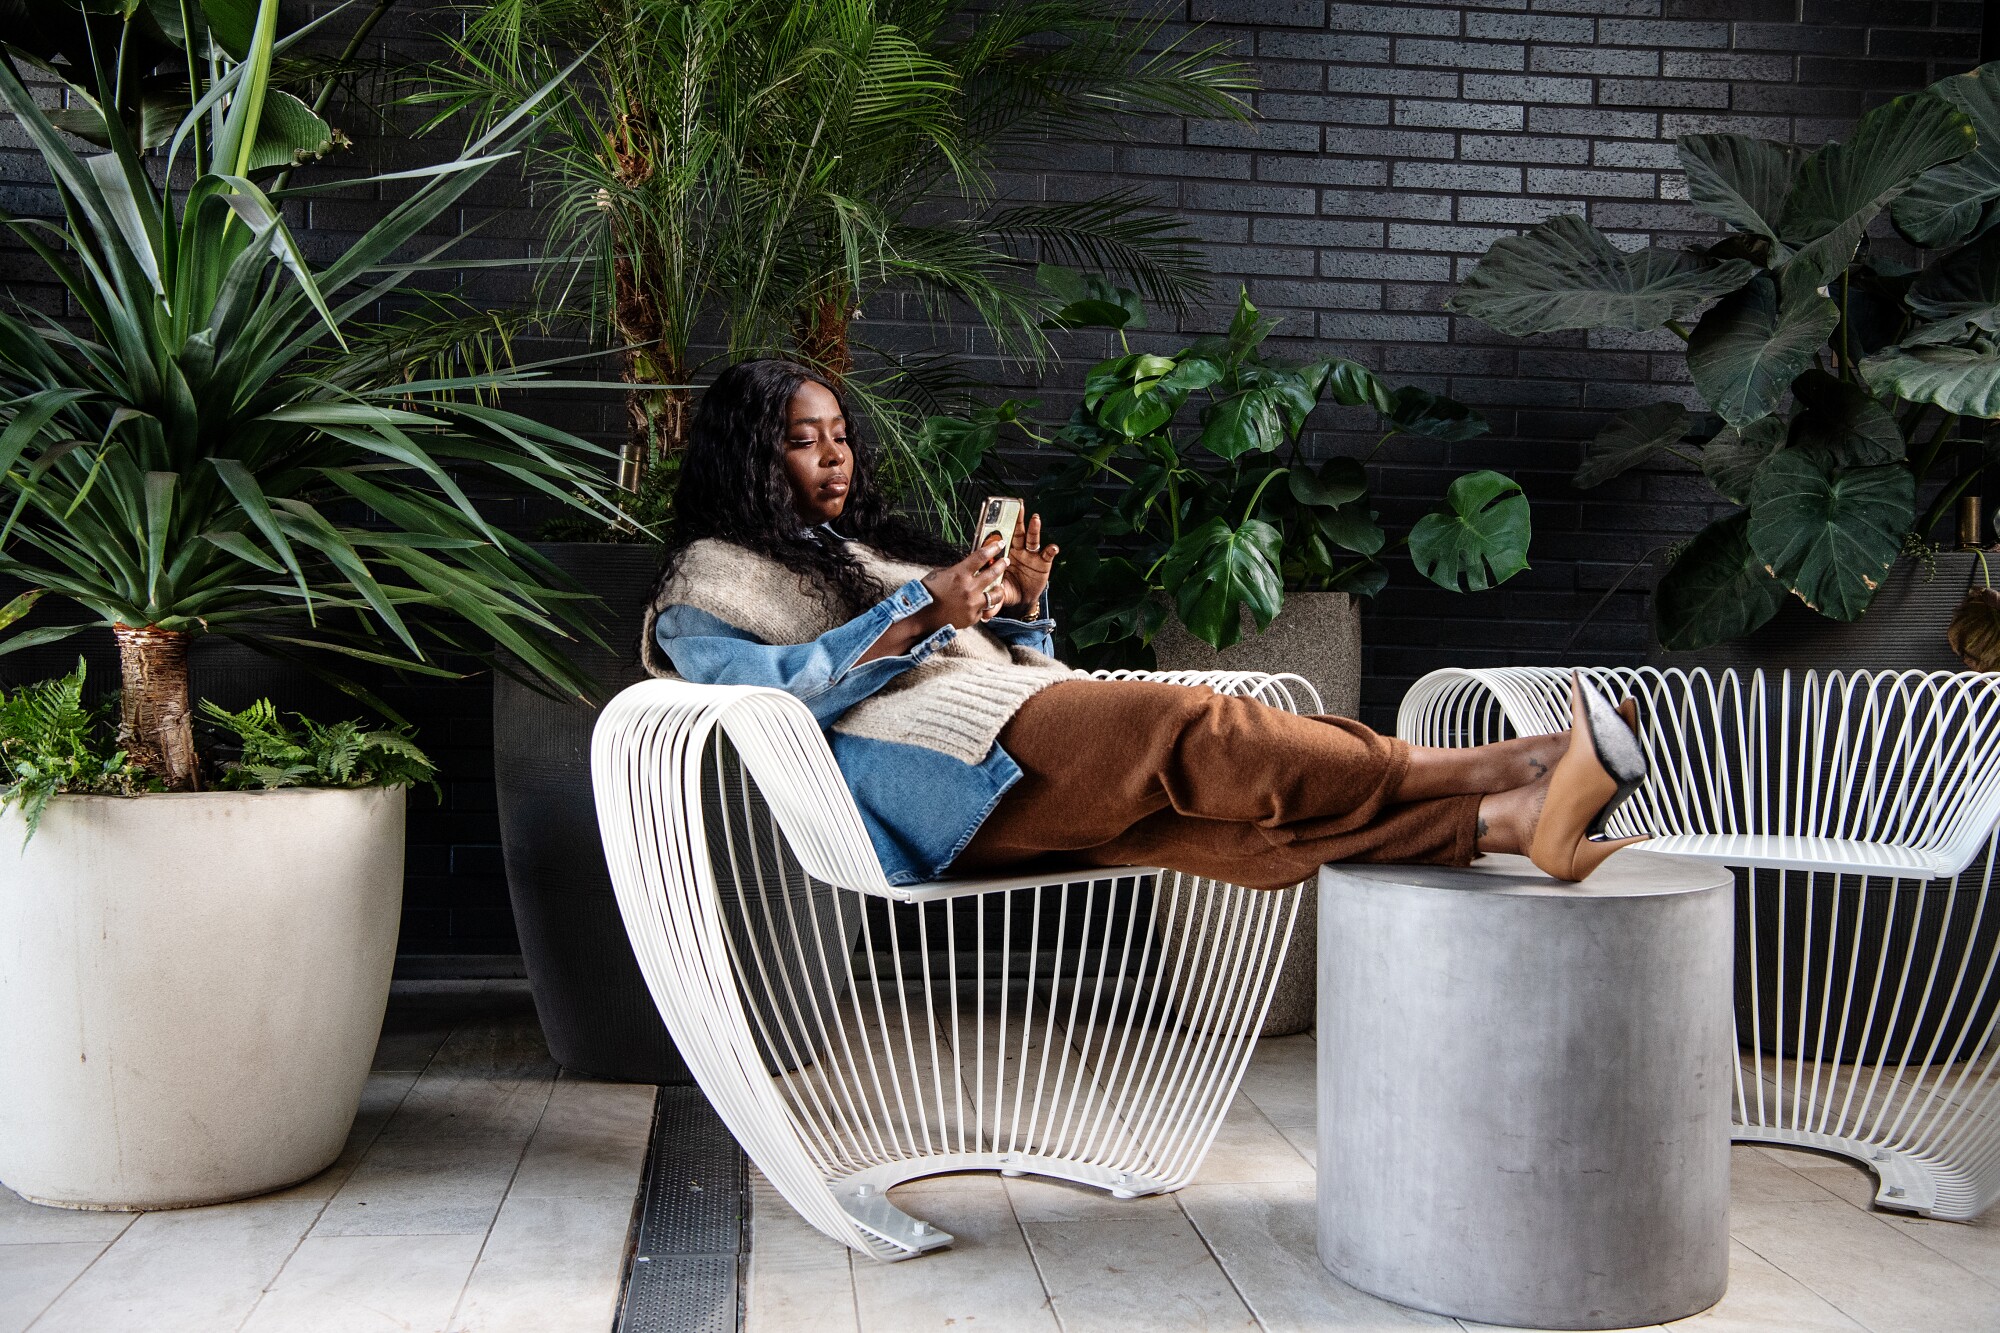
{"x": 51, "y": 743}
{"x": 340, "y": 754}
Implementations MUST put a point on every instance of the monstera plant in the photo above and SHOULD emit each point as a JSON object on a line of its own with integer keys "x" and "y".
{"x": 1159, "y": 515}
{"x": 1838, "y": 379}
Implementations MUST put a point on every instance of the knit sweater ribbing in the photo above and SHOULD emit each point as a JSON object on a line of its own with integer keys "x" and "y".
{"x": 955, "y": 701}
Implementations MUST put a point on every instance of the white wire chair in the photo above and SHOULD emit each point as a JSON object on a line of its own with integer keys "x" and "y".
{"x": 1091, "y": 1025}
{"x": 1859, "y": 813}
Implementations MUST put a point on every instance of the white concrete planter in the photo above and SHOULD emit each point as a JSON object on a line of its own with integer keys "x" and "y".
{"x": 191, "y": 989}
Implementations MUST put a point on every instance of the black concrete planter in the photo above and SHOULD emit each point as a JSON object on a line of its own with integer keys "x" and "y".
{"x": 1902, "y": 630}
{"x": 1847, "y": 931}
{"x": 592, "y": 1002}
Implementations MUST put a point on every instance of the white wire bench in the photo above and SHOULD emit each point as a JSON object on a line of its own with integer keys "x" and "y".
{"x": 1087, "y": 1025}
{"x": 1859, "y": 813}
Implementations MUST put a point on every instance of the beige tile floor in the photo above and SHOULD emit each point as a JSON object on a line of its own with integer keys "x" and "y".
{"x": 481, "y": 1192}
{"x": 1234, "y": 1250}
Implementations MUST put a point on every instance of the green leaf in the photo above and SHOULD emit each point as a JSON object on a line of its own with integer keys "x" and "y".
{"x": 1363, "y": 579}
{"x": 1842, "y": 423}
{"x": 956, "y": 446}
{"x": 1339, "y": 481}
{"x": 1730, "y": 461}
{"x": 1089, "y": 301}
{"x": 41, "y": 634}
{"x": 1632, "y": 437}
{"x": 236, "y": 141}
{"x": 1951, "y": 202}
{"x": 1746, "y": 352}
{"x": 1353, "y": 385}
{"x": 131, "y": 213}
{"x": 1565, "y": 274}
{"x": 1964, "y": 380}
{"x": 1741, "y": 180}
{"x": 1829, "y": 535}
{"x": 230, "y": 23}
{"x": 1247, "y": 328}
{"x": 1433, "y": 416}
{"x": 14, "y": 609}
{"x": 1133, "y": 396}
{"x": 1842, "y": 186}
{"x": 1214, "y": 570}
{"x": 1138, "y": 619}
{"x": 1715, "y": 591}
{"x": 291, "y": 134}
{"x": 1238, "y": 425}
{"x": 1192, "y": 372}
{"x": 1962, "y": 288}
{"x": 1480, "y": 535}
{"x": 1352, "y": 527}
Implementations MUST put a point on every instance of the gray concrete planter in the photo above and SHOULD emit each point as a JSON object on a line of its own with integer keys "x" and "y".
{"x": 1318, "y": 636}
{"x": 191, "y": 989}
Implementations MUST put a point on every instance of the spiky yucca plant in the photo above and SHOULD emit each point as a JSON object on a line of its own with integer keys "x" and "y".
{"x": 195, "y": 454}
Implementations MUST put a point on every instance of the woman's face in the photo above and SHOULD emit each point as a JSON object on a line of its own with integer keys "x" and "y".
{"x": 817, "y": 460}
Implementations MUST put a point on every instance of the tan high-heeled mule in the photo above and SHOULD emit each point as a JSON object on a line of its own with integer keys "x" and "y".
{"x": 1603, "y": 766}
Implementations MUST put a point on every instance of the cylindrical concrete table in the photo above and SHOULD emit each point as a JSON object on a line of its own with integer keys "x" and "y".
{"x": 1524, "y": 1088}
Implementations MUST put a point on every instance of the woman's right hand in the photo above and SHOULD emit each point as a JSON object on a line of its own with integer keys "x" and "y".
{"x": 969, "y": 592}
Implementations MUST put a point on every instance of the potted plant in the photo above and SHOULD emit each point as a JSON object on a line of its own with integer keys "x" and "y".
{"x": 1220, "y": 521}
{"x": 1839, "y": 383}
{"x": 1838, "y": 380}
{"x": 191, "y": 981}
{"x": 144, "y": 1074}
{"x": 749, "y": 177}
{"x": 1213, "y": 525}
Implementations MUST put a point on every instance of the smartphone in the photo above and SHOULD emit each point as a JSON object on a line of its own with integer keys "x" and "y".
{"x": 1001, "y": 514}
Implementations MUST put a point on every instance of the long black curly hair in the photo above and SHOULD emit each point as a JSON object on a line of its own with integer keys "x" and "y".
{"x": 733, "y": 486}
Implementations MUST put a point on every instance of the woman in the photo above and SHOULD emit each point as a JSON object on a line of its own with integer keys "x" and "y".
{"x": 970, "y": 749}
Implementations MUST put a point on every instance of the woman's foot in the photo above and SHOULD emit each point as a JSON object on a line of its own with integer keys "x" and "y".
{"x": 1507, "y": 819}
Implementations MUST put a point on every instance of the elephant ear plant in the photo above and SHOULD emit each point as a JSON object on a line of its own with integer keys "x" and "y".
{"x": 1203, "y": 519}
{"x": 1838, "y": 379}
{"x": 200, "y": 451}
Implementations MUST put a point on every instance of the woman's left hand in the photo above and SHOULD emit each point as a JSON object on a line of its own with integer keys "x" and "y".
{"x": 1028, "y": 566}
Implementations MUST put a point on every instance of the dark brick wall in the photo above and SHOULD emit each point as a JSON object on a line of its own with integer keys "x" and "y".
{"x": 1394, "y": 142}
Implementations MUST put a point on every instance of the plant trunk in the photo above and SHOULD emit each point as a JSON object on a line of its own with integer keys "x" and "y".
{"x": 156, "y": 727}
{"x": 823, "y": 341}
{"x": 655, "y": 419}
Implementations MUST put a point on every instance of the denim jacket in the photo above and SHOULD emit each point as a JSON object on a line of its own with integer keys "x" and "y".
{"x": 920, "y": 807}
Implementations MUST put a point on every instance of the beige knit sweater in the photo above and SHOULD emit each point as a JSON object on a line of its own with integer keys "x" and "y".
{"x": 955, "y": 701}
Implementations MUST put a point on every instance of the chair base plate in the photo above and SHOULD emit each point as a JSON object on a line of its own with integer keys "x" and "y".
{"x": 863, "y": 1195}
{"x": 1903, "y": 1183}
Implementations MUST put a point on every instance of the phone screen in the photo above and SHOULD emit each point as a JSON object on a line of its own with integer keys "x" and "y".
{"x": 1001, "y": 514}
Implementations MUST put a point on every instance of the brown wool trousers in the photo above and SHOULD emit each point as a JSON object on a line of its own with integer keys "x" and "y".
{"x": 1117, "y": 773}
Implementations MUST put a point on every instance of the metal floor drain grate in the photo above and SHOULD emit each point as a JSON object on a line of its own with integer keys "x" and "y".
{"x": 691, "y": 1237}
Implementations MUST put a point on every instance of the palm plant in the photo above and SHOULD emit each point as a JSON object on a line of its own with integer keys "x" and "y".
{"x": 1838, "y": 379}
{"x": 750, "y": 174}
{"x": 195, "y": 455}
